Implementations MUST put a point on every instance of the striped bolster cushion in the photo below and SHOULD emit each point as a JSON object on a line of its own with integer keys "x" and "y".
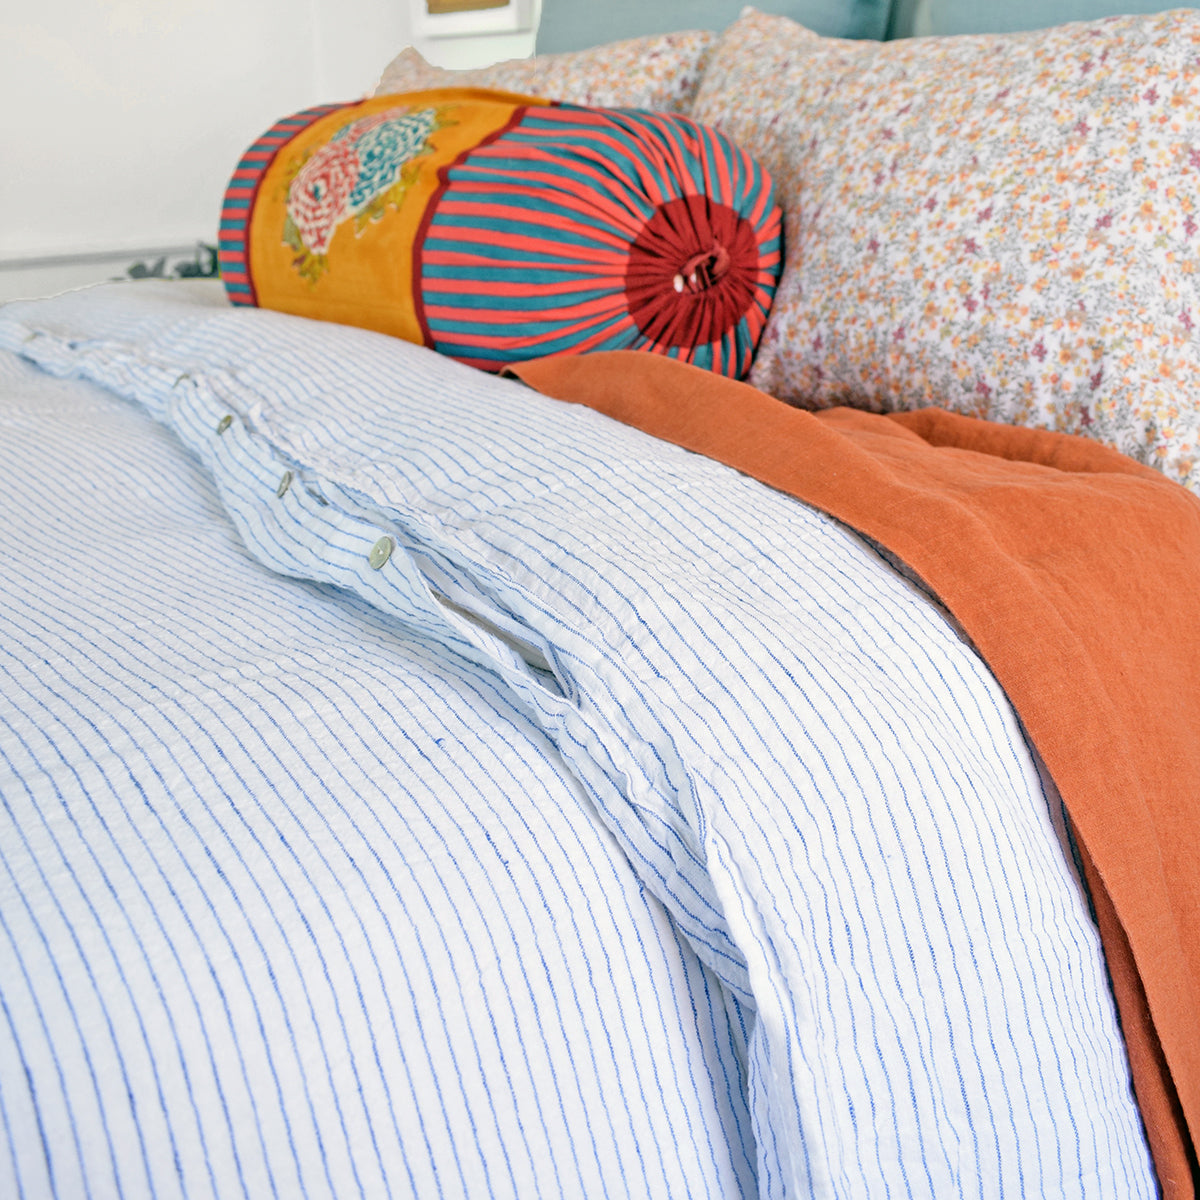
{"x": 495, "y": 229}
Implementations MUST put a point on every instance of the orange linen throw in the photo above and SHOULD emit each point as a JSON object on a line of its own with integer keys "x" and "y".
{"x": 1076, "y": 572}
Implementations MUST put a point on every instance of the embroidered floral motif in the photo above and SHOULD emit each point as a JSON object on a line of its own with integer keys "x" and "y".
{"x": 318, "y": 197}
{"x": 365, "y": 168}
{"x": 1004, "y": 225}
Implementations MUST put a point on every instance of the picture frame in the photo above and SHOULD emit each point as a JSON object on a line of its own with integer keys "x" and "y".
{"x": 515, "y": 16}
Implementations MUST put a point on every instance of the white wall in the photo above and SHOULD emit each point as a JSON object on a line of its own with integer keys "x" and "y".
{"x": 124, "y": 118}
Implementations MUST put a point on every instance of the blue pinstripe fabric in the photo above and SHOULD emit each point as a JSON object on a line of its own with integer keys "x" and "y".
{"x": 800, "y": 757}
{"x": 292, "y": 904}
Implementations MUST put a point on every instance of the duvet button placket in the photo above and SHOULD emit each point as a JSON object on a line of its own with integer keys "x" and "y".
{"x": 315, "y": 537}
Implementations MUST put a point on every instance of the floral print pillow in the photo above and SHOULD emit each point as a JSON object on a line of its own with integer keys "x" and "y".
{"x": 1005, "y": 225}
{"x": 660, "y": 72}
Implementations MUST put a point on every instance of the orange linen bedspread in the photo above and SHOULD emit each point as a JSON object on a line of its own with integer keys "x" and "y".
{"x": 1076, "y": 572}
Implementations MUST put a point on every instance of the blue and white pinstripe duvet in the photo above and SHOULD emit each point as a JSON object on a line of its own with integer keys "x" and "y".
{"x": 357, "y": 882}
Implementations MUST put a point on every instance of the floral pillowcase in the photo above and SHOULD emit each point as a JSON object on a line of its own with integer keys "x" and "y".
{"x": 1005, "y": 225}
{"x": 660, "y": 72}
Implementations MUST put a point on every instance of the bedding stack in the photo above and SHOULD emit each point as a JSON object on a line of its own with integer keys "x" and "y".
{"x": 434, "y": 762}
{"x": 795, "y": 753}
{"x": 1023, "y": 252}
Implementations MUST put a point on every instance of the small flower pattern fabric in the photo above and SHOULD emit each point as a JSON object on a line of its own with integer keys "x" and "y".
{"x": 660, "y": 72}
{"x": 1004, "y": 225}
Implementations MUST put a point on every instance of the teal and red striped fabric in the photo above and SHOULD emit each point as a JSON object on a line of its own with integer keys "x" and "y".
{"x": 496, "y": 230}
{"x": 581, "y": 229}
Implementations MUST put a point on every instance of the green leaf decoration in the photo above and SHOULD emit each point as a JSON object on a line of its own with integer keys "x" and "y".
{"x": 293, "y": 169}
{"x": 291, "y": 236}
{"x": 311, "y": 266}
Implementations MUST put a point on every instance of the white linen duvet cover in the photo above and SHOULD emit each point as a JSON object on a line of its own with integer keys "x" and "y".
{"x": 414, "y": 786}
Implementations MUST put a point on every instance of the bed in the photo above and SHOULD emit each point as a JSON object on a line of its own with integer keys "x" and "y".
{"x": 597, "y": 777}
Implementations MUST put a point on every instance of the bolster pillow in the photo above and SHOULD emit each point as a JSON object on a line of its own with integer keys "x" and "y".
{"x": 494, "y": 228}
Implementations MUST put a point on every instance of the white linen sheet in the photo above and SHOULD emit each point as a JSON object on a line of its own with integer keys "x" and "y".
{"x": 800, "y": 757}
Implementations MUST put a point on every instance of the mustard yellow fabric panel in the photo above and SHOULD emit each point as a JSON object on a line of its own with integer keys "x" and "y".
{"x": 318, "y": 244}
